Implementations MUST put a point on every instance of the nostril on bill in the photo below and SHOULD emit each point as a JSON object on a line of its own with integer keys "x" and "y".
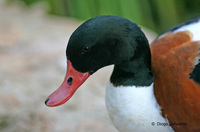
{"x": 47, "y": 101}
{"x": 69, "y": 81}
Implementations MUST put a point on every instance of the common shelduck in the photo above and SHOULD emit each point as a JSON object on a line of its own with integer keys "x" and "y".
{"x": 152, "y": 88}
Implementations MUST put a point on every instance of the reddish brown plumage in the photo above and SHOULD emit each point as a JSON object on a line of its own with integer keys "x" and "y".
{"x": 173, "y": 59}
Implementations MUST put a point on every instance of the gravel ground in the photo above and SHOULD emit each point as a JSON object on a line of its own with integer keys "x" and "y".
{"x": 32, "y": 54}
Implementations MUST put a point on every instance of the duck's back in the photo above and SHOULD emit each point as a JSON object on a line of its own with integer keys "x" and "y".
{"x": 176, "y": 64}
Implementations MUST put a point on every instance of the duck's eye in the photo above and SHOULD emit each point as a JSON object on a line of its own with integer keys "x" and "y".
{"x": 85, "y": 50}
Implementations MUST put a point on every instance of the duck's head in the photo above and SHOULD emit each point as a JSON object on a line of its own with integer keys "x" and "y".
{"x": 99, "y": 42}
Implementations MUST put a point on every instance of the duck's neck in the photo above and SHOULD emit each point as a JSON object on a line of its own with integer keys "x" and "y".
{"x": 130, "y": 98}
{"x": 137, "y": 70}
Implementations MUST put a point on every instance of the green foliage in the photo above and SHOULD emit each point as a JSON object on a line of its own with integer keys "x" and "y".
{"x": 155, "y": 14}
{"x": 27, "y": 2}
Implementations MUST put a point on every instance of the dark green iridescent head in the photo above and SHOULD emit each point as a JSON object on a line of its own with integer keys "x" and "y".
{"x": 107, "y": 40}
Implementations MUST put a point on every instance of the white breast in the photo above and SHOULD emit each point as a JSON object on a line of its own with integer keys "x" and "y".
{"x": 135, "y": 109}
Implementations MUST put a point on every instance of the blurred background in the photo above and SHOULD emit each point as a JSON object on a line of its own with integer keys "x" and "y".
{"x": 155, "y": 14}
{"x": 33, "y": 38}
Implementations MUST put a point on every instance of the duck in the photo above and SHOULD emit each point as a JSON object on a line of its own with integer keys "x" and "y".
{"x": 153, "y": 88}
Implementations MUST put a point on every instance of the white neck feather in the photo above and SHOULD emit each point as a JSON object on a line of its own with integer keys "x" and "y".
{"x": 135, "y": 109}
